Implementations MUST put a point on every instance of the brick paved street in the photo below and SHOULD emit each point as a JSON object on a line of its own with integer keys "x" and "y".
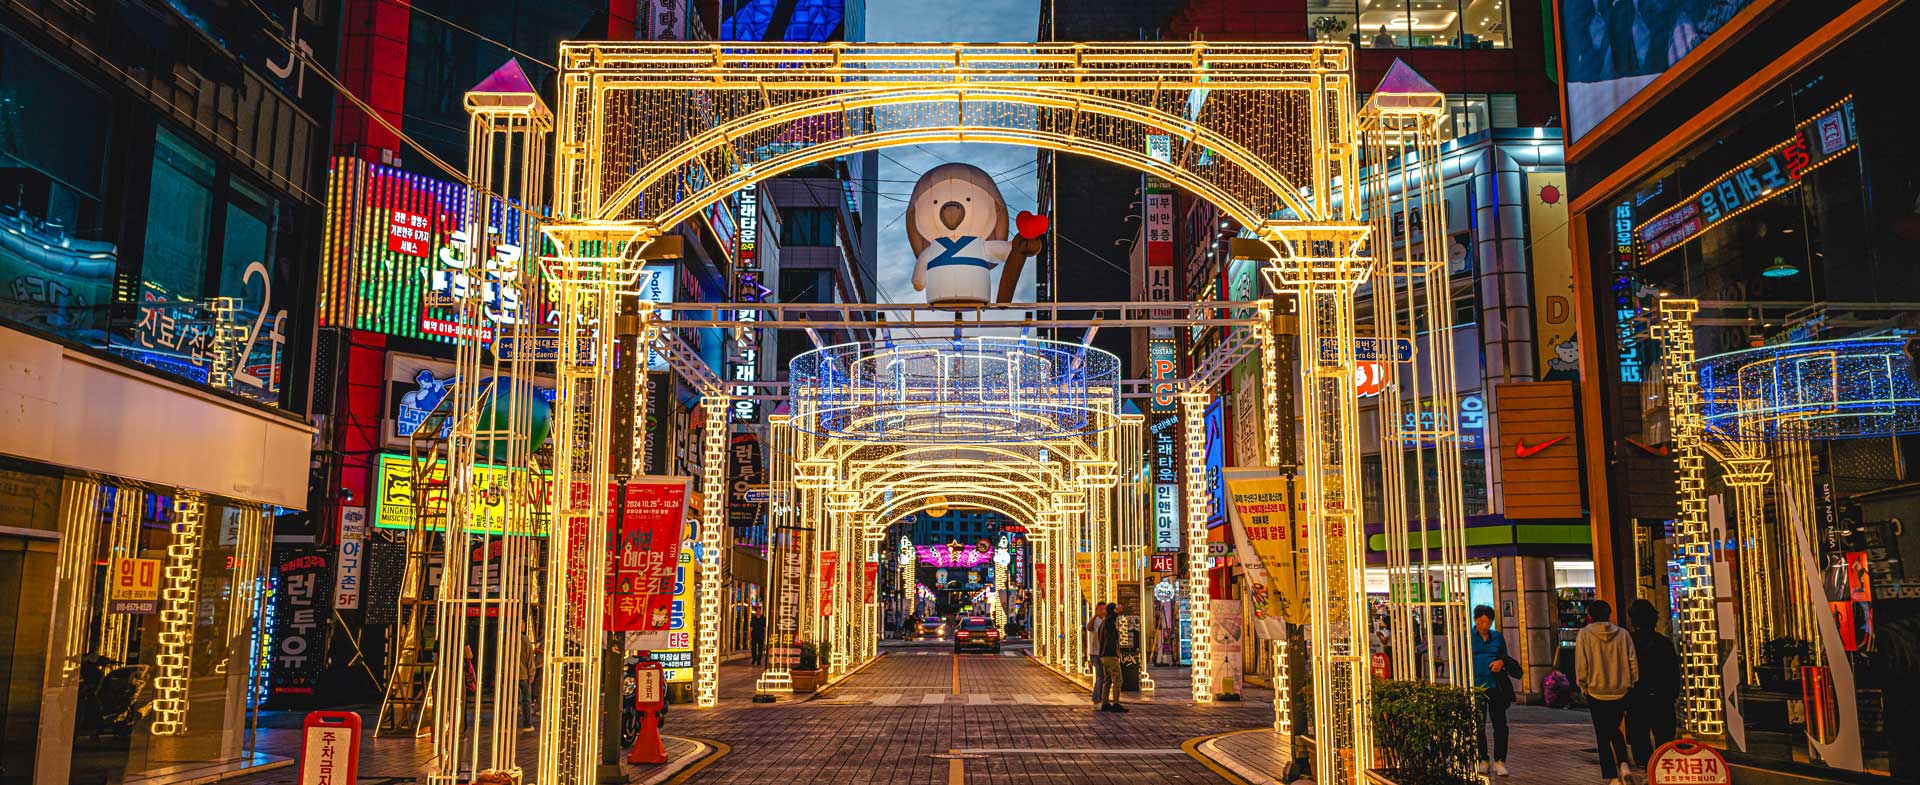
{"x": 1010, "y": 720}
{"x": 921, "y": 714}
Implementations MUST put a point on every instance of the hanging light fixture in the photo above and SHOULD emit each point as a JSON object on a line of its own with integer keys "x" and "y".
{"x": 1780, "y": 269}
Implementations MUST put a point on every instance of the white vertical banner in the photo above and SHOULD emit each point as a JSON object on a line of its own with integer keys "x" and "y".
{"x": 350, "y": 565}
{"x": 1227, "y": 654}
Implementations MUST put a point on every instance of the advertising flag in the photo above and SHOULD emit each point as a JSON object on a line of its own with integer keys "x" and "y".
{"x": 1267, "y": 547}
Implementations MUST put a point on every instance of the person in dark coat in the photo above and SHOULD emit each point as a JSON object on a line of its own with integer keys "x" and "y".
{"x": 1650, "y": 707}
{"x": 757, "y": 635}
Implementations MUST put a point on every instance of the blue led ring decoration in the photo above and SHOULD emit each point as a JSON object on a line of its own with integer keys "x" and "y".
{"x": 980, "y": 390}
{"x": 1849, "y": 388}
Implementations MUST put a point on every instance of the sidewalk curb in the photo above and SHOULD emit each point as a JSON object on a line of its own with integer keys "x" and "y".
{"x": 705, "y": 751}
{"x": 1208, "y": 752}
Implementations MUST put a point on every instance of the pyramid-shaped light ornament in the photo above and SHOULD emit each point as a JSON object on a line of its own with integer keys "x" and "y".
{"x": 1405, "y": 89}
{"x": 508, "y": 85}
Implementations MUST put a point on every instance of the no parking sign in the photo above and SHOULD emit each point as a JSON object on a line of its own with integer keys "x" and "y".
{"x": 330, "y": 748}
{"x": 1685, "y": 762}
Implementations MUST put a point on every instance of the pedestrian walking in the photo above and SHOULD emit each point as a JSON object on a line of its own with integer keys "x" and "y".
{"x": 757, "y": 635}
{"x": 1490, "y": 673}
{"x": 1110, "y": 659}
{"x": 1092, "y": 646}
{"x": 1606, "y": 669}
{"x": 1650, "y": 708}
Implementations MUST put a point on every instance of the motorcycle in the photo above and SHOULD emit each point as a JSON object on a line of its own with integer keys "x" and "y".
{"x": 113, "y": 696}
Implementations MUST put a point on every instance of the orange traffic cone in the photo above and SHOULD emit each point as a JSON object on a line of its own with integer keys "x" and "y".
{"x": 647, "y": 747}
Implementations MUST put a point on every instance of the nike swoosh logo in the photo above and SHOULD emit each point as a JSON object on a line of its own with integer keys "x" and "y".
{"x": 1523, "y": 450}
{"x": 1657, "y": 452}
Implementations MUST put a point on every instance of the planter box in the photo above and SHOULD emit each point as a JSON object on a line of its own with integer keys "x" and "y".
{"x": 807, "y": 681}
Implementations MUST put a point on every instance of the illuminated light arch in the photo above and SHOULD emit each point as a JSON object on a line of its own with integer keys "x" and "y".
{"x": 1290, "y": 106}
{"x": 1221, "y": 148}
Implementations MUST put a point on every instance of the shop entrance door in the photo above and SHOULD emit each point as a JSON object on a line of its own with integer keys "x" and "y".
{"x": 27, "y": 567}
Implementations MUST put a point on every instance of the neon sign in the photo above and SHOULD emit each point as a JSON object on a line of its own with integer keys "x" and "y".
{"x": 1763, "y": 177}
{"x": 744, "y": 367}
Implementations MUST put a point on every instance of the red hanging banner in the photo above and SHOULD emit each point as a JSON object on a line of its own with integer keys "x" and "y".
{"x": 829, "y": 560}
{"x": 644, "y": 551}
{"x": 872, "y": 580}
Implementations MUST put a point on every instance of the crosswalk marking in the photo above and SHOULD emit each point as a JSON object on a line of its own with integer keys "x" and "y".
{"x": 888, "y": 699}
{"x": 1025, "y": 699}
{"x": 973, "y": 699}
{"x": 933, "y": 697}
{"x": 978, "y": 698}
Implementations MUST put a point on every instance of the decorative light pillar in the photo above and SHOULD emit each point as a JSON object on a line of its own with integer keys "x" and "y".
{"x": 589, "y": 267}
{"x": 1700, "y": 707}
{"x": 713, "y": 498}
{"x": 178, "y": 599}
{"x": 1322, "y": 265}
{"x": 1193, "y": 409}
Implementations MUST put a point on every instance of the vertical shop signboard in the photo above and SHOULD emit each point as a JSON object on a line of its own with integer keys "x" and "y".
{"x": 351, "y": 559}
{"x": 646, "y": 552}
{"x": 301, "y": 609}
{"x": 1554, "y": 331}
{"x": 747, "y": 474}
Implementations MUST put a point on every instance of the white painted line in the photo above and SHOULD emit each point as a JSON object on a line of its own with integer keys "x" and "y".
{"x": 889, "y": 699}
{"x": 1025, "y": 699}
{"x": 932, "y": 698}
{"x": 1090, "y": 751}
{"x": 978, "y": 698}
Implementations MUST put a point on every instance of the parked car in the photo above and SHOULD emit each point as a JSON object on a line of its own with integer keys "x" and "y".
{"x": 976, "y": 632}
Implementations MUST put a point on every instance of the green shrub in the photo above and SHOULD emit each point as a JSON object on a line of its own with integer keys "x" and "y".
{"x": 1423, "y": 733}
{"x": 809, "y": 657}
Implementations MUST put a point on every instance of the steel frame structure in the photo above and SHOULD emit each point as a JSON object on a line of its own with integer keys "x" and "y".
{"x": 1412, "y": 301}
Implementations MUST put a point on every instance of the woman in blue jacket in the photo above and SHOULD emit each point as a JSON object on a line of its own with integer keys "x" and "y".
{"x": 1490, "y": 663}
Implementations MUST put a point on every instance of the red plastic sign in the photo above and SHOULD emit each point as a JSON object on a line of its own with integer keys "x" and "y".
{"x": 1683, "y": 762}
{"x": 330, "y": 748}
{"x": 649, "y": 686}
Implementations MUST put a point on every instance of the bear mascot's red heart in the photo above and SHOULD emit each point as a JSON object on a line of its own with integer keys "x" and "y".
{"x": 1030, "y": 225}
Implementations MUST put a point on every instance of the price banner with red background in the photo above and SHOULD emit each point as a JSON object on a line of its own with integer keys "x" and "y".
{"x": 829, "y": 561}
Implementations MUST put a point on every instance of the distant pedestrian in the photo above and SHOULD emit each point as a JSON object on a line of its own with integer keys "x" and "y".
{"x": 1110, "y": 660}
{"x": 757, "y": 635}
{"x": 1650, "y": 709}
{"x": 1092, "y": 646}
{"x": 1606, "y": 669}
{"x": 1490, "y": 673}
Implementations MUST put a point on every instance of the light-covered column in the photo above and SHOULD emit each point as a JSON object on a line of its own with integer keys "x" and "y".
{"x": 713, "y": 516}
{"x": 1193, "y": 408}
{"x": 178, "y": 599}
{"x": 1700, "y": 706}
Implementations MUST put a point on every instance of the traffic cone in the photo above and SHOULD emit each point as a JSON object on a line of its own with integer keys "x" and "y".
{"x": 647, "y": 747}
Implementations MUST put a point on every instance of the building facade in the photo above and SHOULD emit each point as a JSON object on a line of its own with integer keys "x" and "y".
{"x": 162, "y": 172}
{"x": 1744, "y": 203}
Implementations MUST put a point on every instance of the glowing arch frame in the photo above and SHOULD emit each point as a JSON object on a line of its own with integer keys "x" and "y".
{"x": 1320, "y": 253}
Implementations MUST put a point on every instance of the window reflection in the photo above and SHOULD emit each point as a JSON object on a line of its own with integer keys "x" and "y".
{"x": 1402, "y": 24}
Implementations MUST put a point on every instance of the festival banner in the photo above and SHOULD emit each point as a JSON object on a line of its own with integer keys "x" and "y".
{"x": 645, "y": 552}
{"x": 829, "y": 561}
{"x": 1267, "y": 548}
{"x": 872, "y": 579}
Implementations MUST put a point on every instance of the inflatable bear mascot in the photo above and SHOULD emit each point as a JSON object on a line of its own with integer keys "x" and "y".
{"x": 957, "y": 226}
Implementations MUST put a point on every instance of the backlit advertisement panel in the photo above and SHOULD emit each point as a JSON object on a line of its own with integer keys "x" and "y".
{"x": 1614, "y": 50}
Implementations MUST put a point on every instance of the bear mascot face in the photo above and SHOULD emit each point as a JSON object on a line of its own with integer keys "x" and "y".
{"x": 957, "y": 226}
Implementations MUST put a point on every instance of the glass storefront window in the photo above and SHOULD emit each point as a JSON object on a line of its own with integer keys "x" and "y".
{"x": 57, "y": 260}
{"x": 1794, "y": 224}
{"x": 1410, "y": 24}
{"x": 102, "y": 638}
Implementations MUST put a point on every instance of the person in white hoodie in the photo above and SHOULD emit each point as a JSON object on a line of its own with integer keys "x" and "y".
{"x": 1606, "y": 668}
